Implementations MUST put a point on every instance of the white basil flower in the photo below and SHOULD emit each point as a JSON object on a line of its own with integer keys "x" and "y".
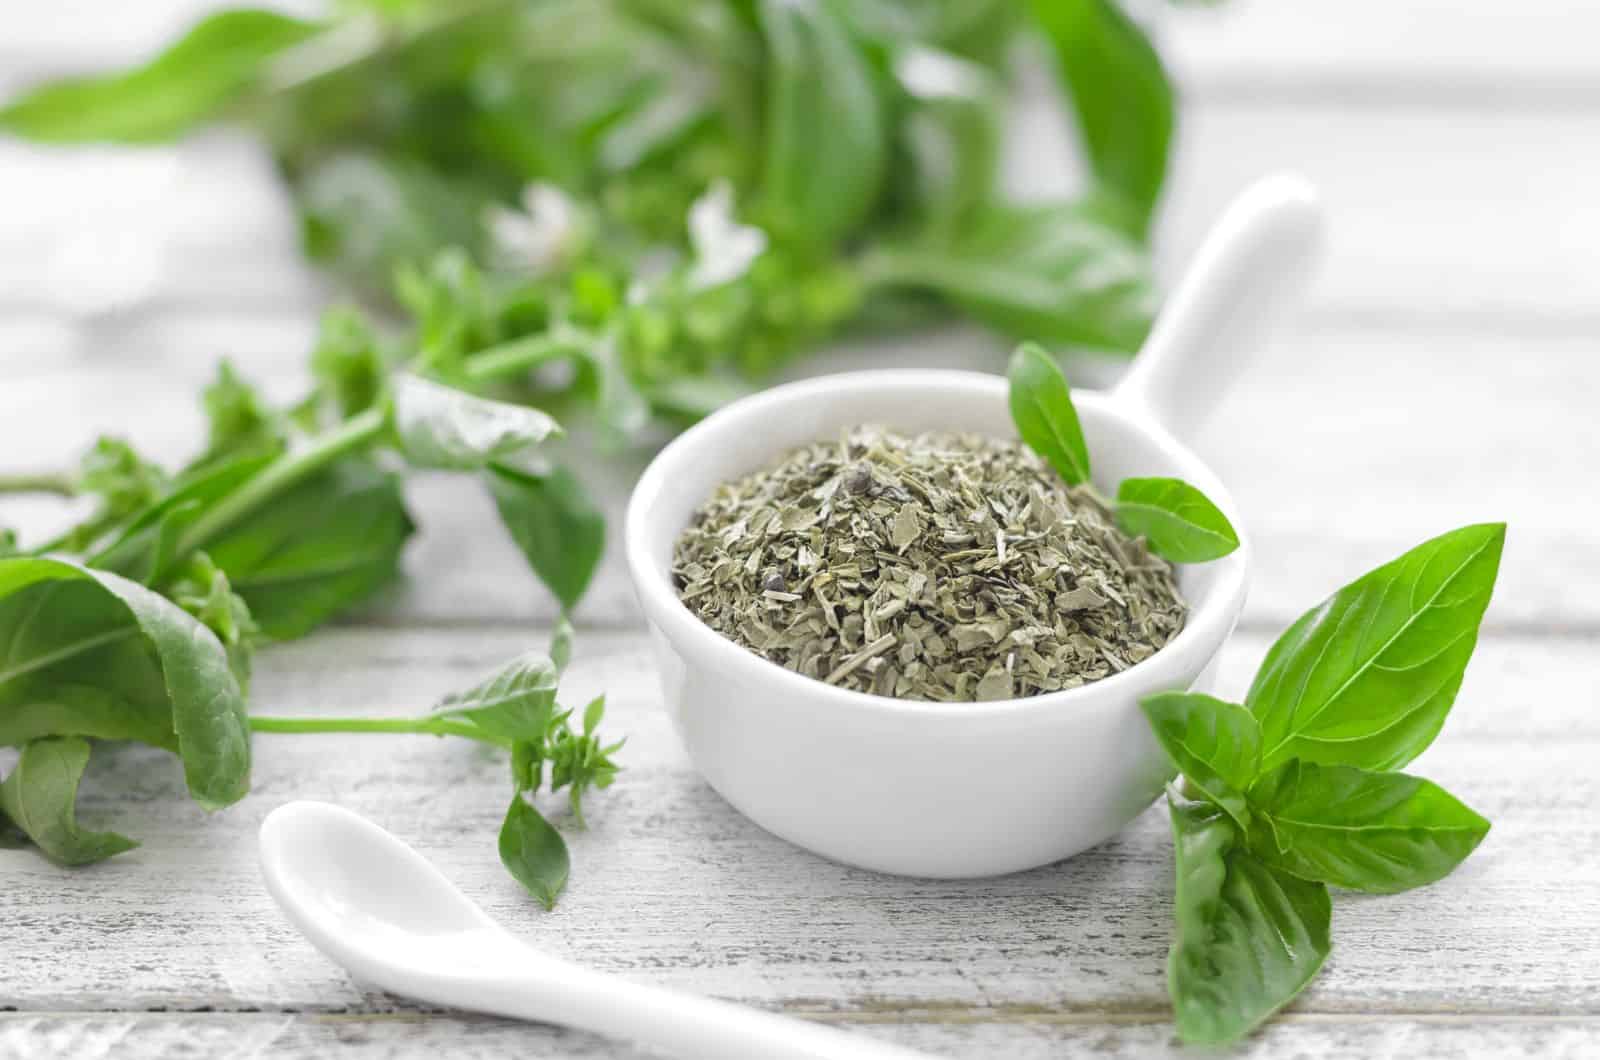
{"x": 723, "y": 248}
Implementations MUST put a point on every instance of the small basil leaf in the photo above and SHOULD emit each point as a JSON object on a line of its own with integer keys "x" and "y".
{"x": 1177, "y": 520}
{"x": 318, "y": 549}
{"x": 1367, "y": 677}
{"x": 1054, "y": 272}
{"x": 39, "y": 797}
{"x": 1376, "y": 832}
{"x": 1041, "y": 407}
{"x": 1249, "y": 937}
{"x": 534, "y": 852}
{"x": 210, "y": 67}
{"x": 441, "y": 427}
{"x": 91, "y": 653}
{"x": 1121, "y": 96}
{"x": 514, "y": 703}
{"x": 560, "y": 532}
{"x": 1214, "y": 744}
{"x": 826, "y": 150}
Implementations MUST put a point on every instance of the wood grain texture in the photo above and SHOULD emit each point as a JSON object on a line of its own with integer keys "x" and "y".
{"x": 674, "y": 886}
{"x": 1443, "y": 372}
{"x": 1025, "y": 1036}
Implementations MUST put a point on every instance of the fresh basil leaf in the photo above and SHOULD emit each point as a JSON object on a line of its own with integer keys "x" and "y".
{"x": 91, "y": 653}
{"x": 1054, "y": 272}
{"x": 1120, "y": 93}
{"x": 1249, "y": 937}
{"x": 192, "y": 82}
{"x": 514, "y": 703}
{"x": 1367, "y": 677}
{"x": 826, "y": 145}
{"x": 560, "y": 532}
{"x": 319, "y": 548}
{"x": 1177, "y": 520}
{"x": 1214, "y": 744}
{"x": 534, "y": 852}
{"x": 1042, "y": 409}
{"x": 1376, "y": 832}
{"x": 441, "y": 427}
{"x": 40, "y": 795}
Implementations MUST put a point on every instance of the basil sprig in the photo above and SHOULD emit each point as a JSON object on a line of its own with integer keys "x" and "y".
{"x": 1295, "y": 791}
{"x": 1176, "y": 519}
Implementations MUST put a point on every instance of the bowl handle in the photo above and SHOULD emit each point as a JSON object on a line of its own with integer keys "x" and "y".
{"x": 1252, "y": 269}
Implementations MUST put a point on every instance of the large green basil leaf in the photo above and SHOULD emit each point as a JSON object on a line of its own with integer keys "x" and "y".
{"x": 1042, "y": 409}
{"x": 534, "y": 852}
{"x": 90, "y": 653}
{"x": 1177, "y": 520}
{"x": 1249, "y": 937}
{"x": 1214, "y": 744}
{"x": 1054, "y": 272}
{"x": 319, "y": 548}
{"x": 1367, "y": 677}
{"x": 442, "y": 427}
{"x": 826, "y": 144}
{"x": 1120, "y": 94}
{"x": 558, "y": 529}
{"x": 40, "y": 795}
{"x": 208, "y": 69}
{"x": 1376, "y": 832}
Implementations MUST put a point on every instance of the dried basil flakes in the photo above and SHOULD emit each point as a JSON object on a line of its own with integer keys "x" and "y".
{"x": 940, "y": 566}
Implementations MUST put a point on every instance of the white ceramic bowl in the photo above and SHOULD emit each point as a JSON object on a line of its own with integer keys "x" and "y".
{"x": 964, "y": 789}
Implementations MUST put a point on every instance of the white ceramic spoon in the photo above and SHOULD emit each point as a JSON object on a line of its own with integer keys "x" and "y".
{"x": 376, "y": 906}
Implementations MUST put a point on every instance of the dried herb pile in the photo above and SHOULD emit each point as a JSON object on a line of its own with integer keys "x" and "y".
{"x": 939, "y": 566}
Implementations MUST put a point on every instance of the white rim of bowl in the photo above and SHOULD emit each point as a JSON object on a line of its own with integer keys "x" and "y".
{"x": 1211, "y": 623}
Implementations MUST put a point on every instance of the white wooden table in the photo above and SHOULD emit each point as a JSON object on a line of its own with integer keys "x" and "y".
{"x": 1446, "y": 371}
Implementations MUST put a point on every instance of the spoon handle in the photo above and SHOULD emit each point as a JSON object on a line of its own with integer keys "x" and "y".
{"x": 1249, "y": 272}
{"x": 528, "y": 985}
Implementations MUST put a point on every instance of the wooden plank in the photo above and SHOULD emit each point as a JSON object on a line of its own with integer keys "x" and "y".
{"x": 673, "y": 886}
{"x": 1343, "y": 446}
{"x": 1026, "y": 1037}
{"x": 1536, "y": 52}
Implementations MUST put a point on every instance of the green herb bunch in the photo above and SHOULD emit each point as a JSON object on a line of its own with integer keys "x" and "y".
{"x": 1296, "y": 790}
{"x": 1175, "y": 519}
{"x": 673, "y": 196}
{"x": 617, "y": 212}
{"x": 139, "y": 623}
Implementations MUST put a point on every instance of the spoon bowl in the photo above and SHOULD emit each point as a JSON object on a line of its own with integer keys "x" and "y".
{"x": 968, "y": 789}
{"x": 384, "y": 912}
